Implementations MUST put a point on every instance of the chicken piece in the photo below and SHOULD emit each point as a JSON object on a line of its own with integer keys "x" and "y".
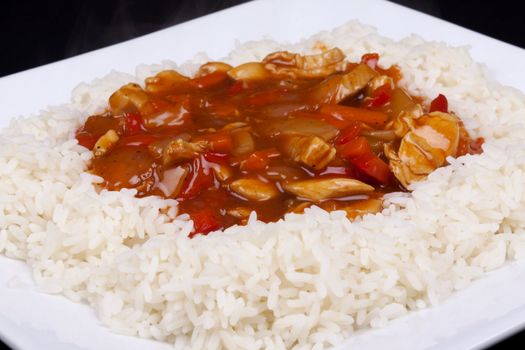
{"x": 165, "y": 114}
{"x": 105, "y": 142}
{"x": 164, "y": 81}
{"x": 130, "y": 98}
{"x": 308, "y": 66}
{"x": 254, "y": 189}
{"x": 156, "y": 148}
{"x": 405, "y": 111}
{"x": 249, "y": 71}
{"x": 401, "y": 171}
{"x": 243, "y": 142}
{"x": 377, "y": 82}
{"x": 127, "y": 167}
{"x": 404, "y": 118}
{"x": 337, "y": 88}
{"x": 180, "y": 150}
{"x": 404, "y": 122}
{"x": 311, "y": 151}
{"x": 357, "y": 79}
{"x": 222, "y": 172}
{"x": 431, "y": 139}
{"x": 327, "y": 188}
{"x": 212, "y": 67}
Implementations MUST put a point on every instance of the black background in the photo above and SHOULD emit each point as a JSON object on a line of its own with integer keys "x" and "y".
{"x": 38, "y": 32}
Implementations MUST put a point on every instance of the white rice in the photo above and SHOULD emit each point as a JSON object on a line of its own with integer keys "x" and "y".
{"x": 306, "y": 282}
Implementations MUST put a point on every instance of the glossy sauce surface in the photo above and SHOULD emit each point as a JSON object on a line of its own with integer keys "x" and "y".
{"x": 273, "y": 137}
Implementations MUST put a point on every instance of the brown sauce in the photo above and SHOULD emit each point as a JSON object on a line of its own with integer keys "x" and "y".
{"x": 272, "y": 141}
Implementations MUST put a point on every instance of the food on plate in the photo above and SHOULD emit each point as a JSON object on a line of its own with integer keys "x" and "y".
{"x": 103, "y": 197}
{"x": 274, "y": 136}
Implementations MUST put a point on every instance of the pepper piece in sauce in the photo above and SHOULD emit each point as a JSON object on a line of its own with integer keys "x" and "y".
{"x": 273, "y": 137}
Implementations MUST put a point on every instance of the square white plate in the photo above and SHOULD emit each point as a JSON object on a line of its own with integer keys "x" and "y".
{"x": 482, "y": 313}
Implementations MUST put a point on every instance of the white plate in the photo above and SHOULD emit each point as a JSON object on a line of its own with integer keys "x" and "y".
{"x": 482, "y": 313}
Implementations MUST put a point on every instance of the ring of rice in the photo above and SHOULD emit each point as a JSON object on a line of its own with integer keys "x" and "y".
{"x": 308, "y": 281}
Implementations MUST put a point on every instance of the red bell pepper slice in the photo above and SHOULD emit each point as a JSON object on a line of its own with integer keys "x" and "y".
{"x": 265, "y": 97}
{"x": 236, "y": 88}
{"x": 370, "y": 59}
{"x": 133, "y": 124}
{"x": 374, "y": 167}
{"x": 259, "y": 159}
{"x": 439, "y": 104}
{"x": 354, "y": 148}
{"x": 86, "y": 139}
{"x": 199, "y": 179}
{"x": 380, "y": 97}
{"x": 348, "y": 134}
{"x": 220, "y": 142}
{"x": 215, "y": 157}
{"x": 204, "y": 222}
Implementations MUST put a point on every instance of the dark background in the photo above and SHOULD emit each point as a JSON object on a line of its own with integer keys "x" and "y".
{"x": 38, "y": 32}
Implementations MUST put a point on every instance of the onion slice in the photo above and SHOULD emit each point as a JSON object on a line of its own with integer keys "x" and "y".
{"x": 172, "y": 181}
